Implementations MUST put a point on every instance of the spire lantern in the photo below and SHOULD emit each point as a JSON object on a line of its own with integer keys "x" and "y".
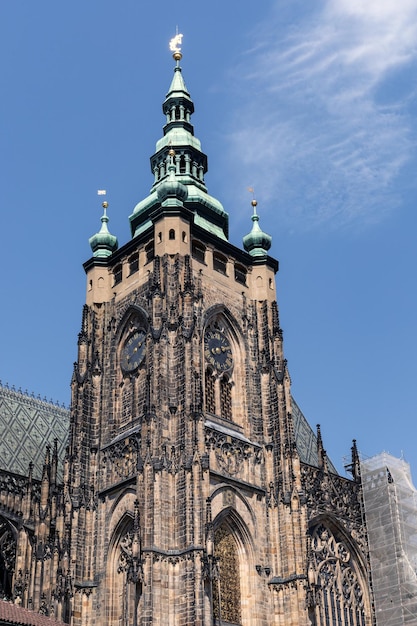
{"x": 257, "y": 243}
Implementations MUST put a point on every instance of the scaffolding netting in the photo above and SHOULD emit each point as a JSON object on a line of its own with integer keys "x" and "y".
{"x": 390, "y": 503}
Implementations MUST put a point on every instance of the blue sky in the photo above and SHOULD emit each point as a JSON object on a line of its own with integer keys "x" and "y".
{"x": 315, "y": 108}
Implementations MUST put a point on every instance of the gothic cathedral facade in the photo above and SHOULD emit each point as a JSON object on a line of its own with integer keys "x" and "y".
{"x": 185, "y": 500}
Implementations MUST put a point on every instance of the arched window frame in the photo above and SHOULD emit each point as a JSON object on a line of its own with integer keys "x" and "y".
{"x": 226, "y": 398}
{"x": 150, "y": 251}
{"x": 210, "y": 390}
{"x": 198, "y": 251}
{"x": 240, "y": 274}
{"x": 133, "y": 263}
{"x": 219, "y": 263}
{"x": 237, "y": 519}
{"x": 229, "y": 385}
{"x": 338, "y": 589}
{"x": 118, "y": 274}
{"x": 131, "y": 386}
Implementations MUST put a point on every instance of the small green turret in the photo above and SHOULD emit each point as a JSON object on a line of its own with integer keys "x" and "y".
{"x": 103, "y": 243}
{"x": 257, "y": 243}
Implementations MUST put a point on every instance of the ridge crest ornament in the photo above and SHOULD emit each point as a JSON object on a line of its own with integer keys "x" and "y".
{"x": 218, "y": 351}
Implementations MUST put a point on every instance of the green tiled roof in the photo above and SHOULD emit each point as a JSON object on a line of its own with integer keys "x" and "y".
{"x": 27, "y": 425}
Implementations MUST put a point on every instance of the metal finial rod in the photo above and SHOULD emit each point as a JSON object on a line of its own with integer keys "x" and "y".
{"x": 105, "y": 204}
{"x": 254, "y": 202}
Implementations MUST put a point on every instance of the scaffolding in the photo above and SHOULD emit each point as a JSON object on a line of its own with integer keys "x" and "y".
{"x": 390, "y": 503}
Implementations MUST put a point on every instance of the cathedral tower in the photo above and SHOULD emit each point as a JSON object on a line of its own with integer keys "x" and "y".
{"x": 185, "y": 499}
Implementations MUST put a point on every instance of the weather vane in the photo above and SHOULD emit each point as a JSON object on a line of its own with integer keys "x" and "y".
{"x": 175, "y": 43}
{"x": 254, "y": 202}
{"x": 175, "y": 46}
{"x": 103, "y": 192}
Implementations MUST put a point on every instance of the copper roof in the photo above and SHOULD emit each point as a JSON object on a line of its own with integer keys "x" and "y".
{"x": 14, "y": 614}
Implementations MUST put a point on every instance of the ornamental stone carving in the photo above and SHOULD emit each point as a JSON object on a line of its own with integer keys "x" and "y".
{"x": 129, "y": 558}
{"x": 230, "y": 452}
{"x": 121, "y": 458}
{"x": 335, "y": 584}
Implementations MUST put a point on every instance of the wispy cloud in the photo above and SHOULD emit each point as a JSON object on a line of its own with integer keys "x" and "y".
{"x": 325, "y": 129}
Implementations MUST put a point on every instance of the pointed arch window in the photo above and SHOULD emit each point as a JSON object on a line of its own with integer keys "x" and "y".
{"x": 225, "y": 398}
{"x": 219, "y": 263}
{"x": 117, "y": 274}
{"x": 150, "y": 251}
{"x": 133, "y": 263}
{"x": 218, "y": 394}
{"x": 210, "y": 391}
{"x": 240, "y": 274}
{"x": 198, "y": 251}
{"x": 226, "y": 591}
{"x": 338, "y": 596}
{"x": 127, "y": 401}
{"x": 220, "y": 356}
{"x": 131, "y": 386}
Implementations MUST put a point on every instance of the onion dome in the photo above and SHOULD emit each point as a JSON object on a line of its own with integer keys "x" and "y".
{"x": 257, "y": 243}
{"x": 103, "y": 243}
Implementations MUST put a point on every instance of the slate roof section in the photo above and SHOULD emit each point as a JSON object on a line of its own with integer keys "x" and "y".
{"x": 306, "y": 439}
{"x": 12, "y": 614}
{"x": 27, "y": 425}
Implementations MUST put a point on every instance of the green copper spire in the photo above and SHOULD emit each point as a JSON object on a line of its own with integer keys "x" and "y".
{"x": 178, "y": 109}
{"x": 257, "y": 243}
{"x": 103, "y": 243}
{"x": 188, "y": 165}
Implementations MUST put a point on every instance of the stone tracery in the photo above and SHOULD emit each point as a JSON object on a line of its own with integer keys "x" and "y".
{"x": 337, "y": 593}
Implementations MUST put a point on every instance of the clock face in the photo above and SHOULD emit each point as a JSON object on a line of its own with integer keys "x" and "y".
{"x": 133, "y": 351}
{"x": 217, "y": 350}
